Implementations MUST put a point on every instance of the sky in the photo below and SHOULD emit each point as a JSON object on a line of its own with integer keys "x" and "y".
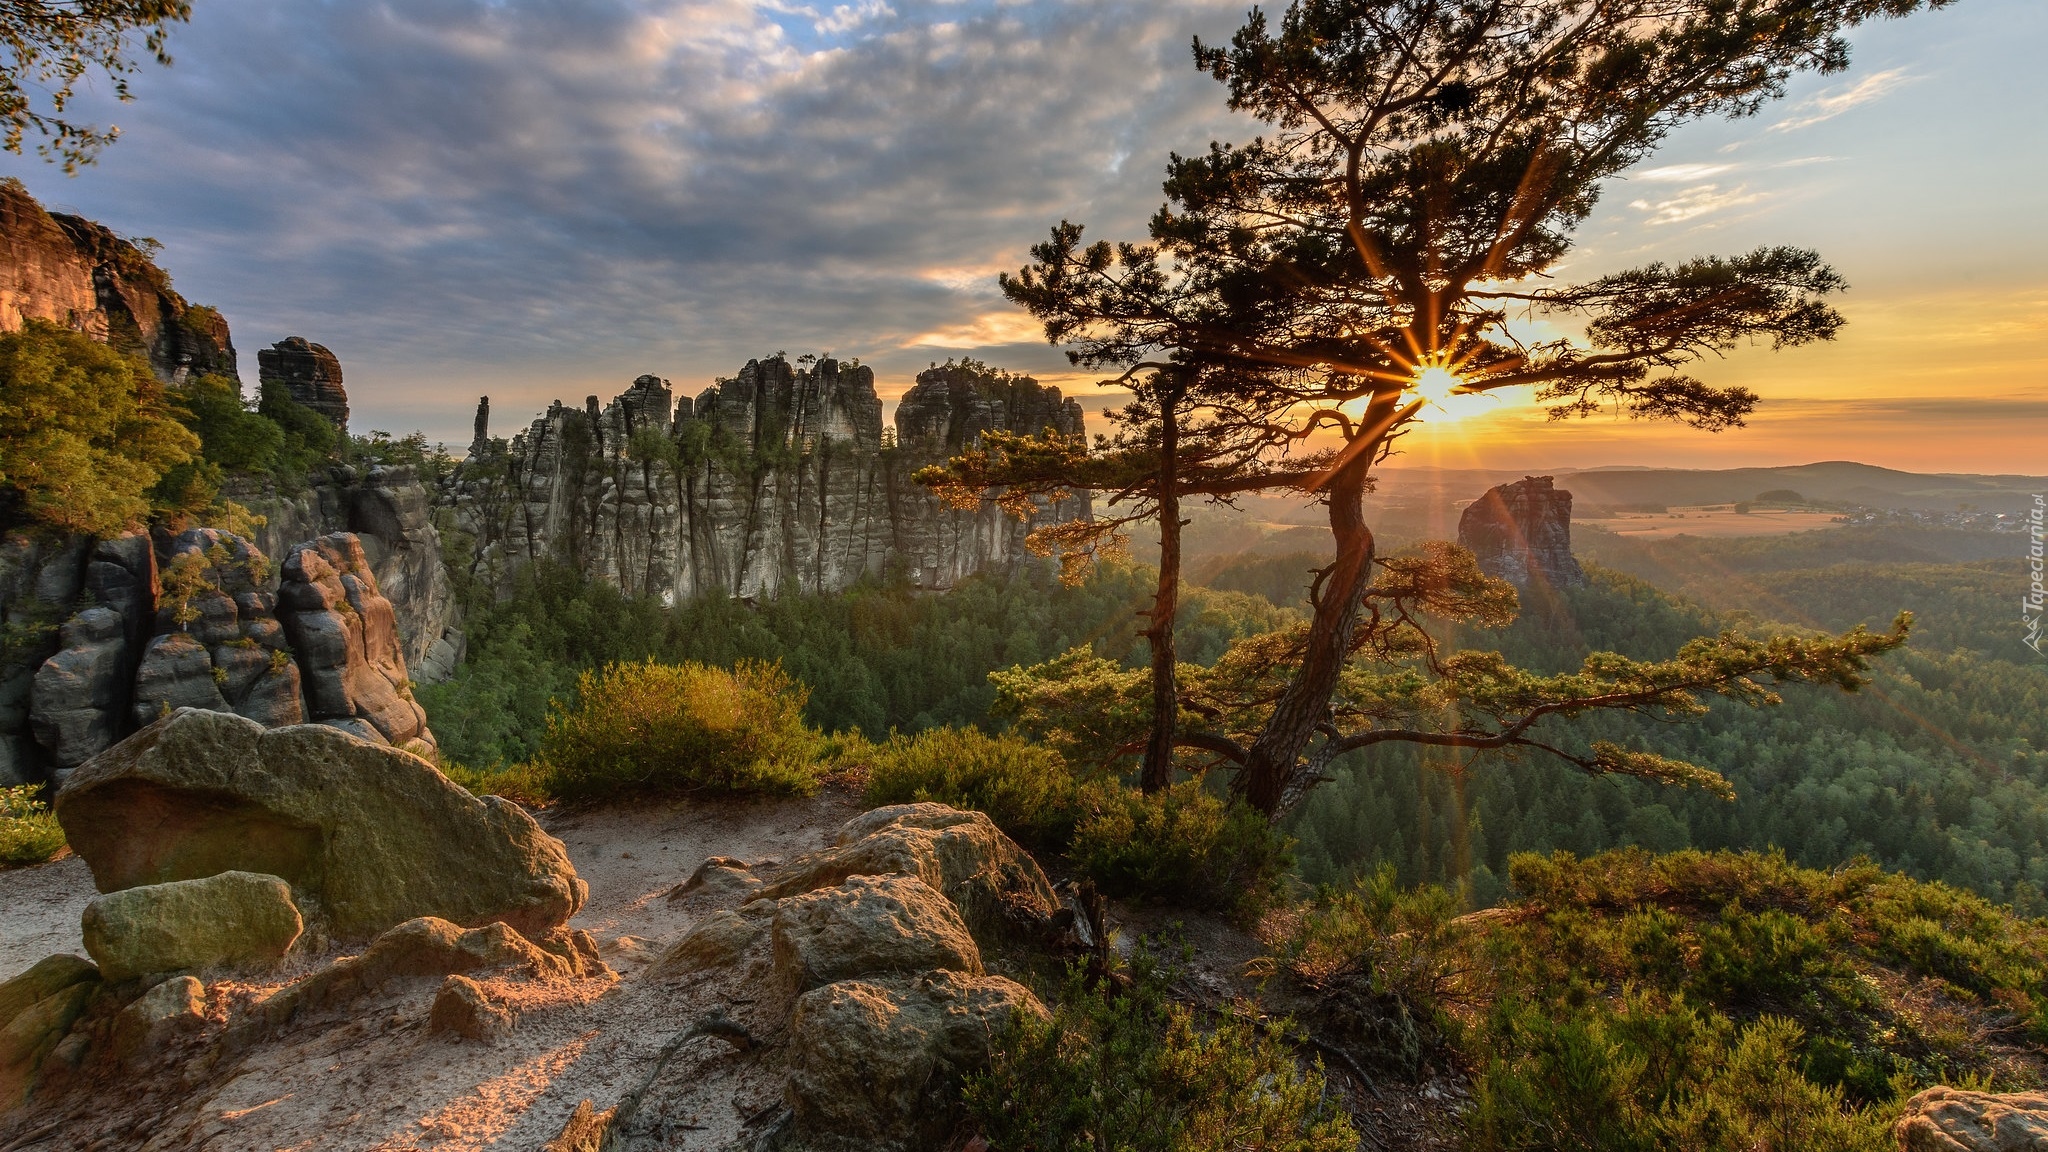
{"x": 542, "y": 199}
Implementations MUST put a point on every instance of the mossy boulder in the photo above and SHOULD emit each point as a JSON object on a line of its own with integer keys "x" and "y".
{"x": 371, "y": 835}
{"x": 235, "y": 920}
{"x": 876, "y": 1065}
{"x": 37, "y": 1009}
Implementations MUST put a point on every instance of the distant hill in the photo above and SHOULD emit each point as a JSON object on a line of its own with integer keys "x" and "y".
{"x": 1832, "y": 480}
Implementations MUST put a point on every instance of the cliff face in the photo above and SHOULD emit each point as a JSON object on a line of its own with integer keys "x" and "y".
{"x": 780, "y": 478}
{"x": 1522, "y": 533}
{"x": 78, "y": 274}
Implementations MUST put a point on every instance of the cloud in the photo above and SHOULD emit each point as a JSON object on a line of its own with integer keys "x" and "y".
{"x": 444, "y": 189}
{"x": 1695, "y": 202}
{"x": 1835, "y": 101}
{"x": 1680, "y": 173}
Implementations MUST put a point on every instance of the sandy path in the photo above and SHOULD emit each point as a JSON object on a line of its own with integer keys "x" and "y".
{"x": 39, "y": 911}
{"x": 375, "y": 1078}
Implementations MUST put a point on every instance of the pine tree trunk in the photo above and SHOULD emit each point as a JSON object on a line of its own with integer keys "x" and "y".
{"x": 1263, "y": 781}
{"x": 1157, "y": 774}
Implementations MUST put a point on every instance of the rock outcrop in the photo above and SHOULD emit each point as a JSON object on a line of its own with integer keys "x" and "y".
{"x": 79, "y": 275}
{"x": 310, "y": 373}
{"x": 998, "y": 888}
{"x": 345, "y": 634}
{"x": 780, "y": 478}
{"x": 367, "y": 836}
{"x": 1522, "y": 533}
{"x": 1956, "y": 1120}
{"x": 37, "y": 1009}
{"x": 194, "y": 624}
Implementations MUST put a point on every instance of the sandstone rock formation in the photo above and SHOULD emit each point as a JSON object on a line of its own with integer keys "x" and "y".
{"x": 463, "y": 1008}
{"x": 778, "y": 478}
{"x": 79, "y": 275}
{"x": 345, "y": 634}
{"x": 367, "y": 836}
{"x": 1955, "y": 1120}
{"x": 1522, "y": 533}
{"x": 193, "y": 624}
{"x": 310, "y": 373}
{"x": 234, "y": 919}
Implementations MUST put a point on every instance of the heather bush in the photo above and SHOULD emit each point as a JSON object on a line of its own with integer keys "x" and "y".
{"x": 1121, "y": 1065}
{"x": 1182, "y": 846}
{"x": 651, "y": 727}
{"x": 1026, "y": 788}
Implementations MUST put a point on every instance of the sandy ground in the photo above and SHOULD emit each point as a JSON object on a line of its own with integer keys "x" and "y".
{"x": 39, "y": 911}
{"x": 371, "y": 1076}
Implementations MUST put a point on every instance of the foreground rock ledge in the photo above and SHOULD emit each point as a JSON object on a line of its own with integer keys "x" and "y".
{"x": 1954, "y": 1120}
{"x": 367, "y": 836}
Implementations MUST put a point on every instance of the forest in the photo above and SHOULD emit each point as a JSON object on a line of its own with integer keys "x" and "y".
{"x": 1938, "y": 769}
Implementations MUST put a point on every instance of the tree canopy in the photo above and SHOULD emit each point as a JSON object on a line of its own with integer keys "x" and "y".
{"x": 85, "y": 432}
{"x": 1428, "y": 164}
{"x": 50, "y": 45}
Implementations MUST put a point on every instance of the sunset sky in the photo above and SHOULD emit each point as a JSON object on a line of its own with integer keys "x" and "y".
{"x": 541, "y": 200}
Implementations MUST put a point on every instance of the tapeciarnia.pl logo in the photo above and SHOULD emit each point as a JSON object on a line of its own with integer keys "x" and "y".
{"x": 2037, "y": 594}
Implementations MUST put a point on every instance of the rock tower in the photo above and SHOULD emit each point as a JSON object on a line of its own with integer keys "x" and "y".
{"x": 1522, "y": 533}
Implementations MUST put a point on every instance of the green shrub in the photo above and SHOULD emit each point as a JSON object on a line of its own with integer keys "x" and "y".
{"x": 1130, "y": 1070}
{"x": 1026, "y": 788}
{"x": 1182, "y": 846}
{"x": 29, "y": 833}
{"x": 681, "y": 727}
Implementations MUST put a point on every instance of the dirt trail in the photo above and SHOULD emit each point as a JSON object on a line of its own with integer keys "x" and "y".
{"x": 375, "y": 1078}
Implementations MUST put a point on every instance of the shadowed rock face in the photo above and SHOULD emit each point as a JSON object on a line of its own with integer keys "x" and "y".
{"x": 370, "y": 836}
{"x": 79, "y": 275}
{"x": 1522, "y": 533}
{"x": 778, "y": 478}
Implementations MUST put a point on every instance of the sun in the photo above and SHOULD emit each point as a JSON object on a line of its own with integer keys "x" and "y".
{"x": 1434, "y": 384}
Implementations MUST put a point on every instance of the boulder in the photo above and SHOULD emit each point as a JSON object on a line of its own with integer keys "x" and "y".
{"x": 173, "y": 1009}
{"x": 717, "y": 940}
{"x": 372, "y": 835}
{"x": 234, "y": 919}
{"x": 461, "y": 1007}
{"x": 43, "y": 979}
{"x": 719, "y": 878}
{"x": 869, "y": 926}
{"x": 877, "y": 1064}
{"x": 997, "y": 886}
{"x": 345, "y": 634}
{"x": 1947, "y": 1119}
{"x": 37, "y": 1009}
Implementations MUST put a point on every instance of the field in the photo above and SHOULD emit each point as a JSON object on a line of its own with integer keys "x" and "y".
{"x": 1710, "y": 520}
